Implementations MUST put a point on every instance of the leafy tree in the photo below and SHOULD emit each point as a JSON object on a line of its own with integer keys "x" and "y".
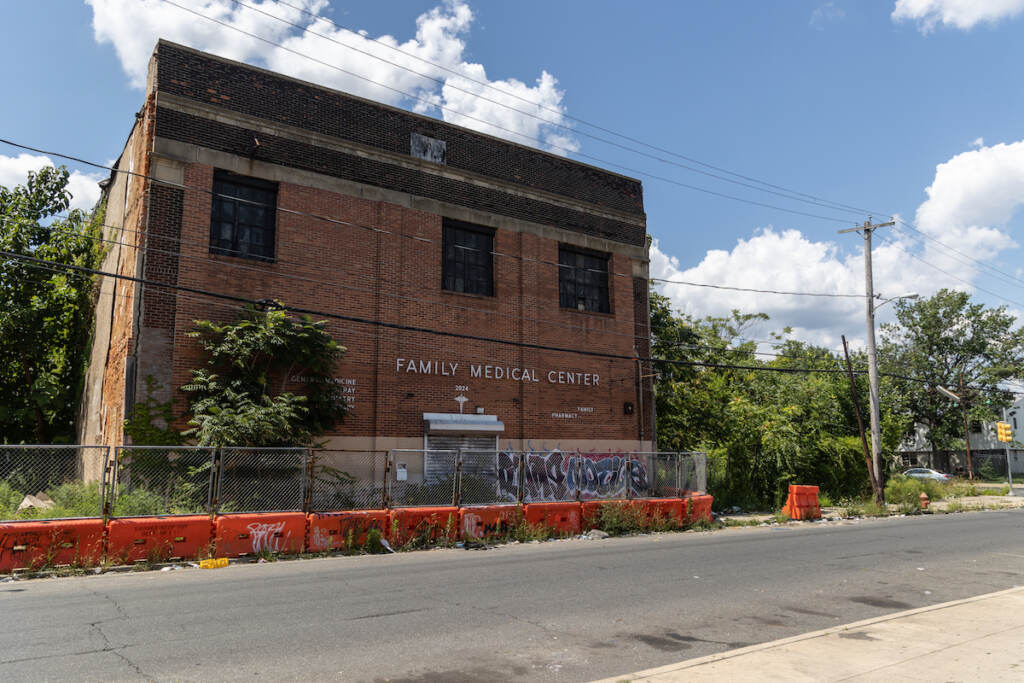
{"x": 45, "y": 315}
{"x": 943, "y": 341}
{"x": 240, "y": 398}
{"x": 763, "y": 428}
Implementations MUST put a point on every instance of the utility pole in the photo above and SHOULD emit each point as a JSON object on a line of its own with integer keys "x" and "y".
{"x": 967, "y": 431}
{"x": 875, "y": 488}
{"x": 869, "y": 290}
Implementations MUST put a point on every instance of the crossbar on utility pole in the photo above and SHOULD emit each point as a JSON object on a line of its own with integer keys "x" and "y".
{"x": 869, "y": 292}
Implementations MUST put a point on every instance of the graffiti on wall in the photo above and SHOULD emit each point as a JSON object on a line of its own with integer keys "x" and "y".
{"x": 556, "y": 475}
{"x": 267, "y": 537}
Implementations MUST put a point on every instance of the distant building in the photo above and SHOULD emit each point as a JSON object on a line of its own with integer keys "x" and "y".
{"x": 374, "y": 212}
{"x": 985, "y": 447}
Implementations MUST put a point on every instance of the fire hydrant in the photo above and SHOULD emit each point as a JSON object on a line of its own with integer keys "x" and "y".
{"x": 924, "y": 500}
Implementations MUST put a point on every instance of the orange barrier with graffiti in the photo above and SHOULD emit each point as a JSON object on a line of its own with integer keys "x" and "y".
{"x": 487, "y": 520}
{"x": 562, "y": 518}
{"x": 430, "y": 524}
{"x": 343, "y": 530}
{"x": 159, "y": 538}
{"x": 254, "y": 533}
{"x": 30, "y": 545}
{"x": 802, "y": 502}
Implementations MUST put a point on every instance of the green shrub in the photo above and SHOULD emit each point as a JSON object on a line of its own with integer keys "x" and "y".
{"x": 10, "y": 499}
{"x": 616, "y": 519}
{"x": 73, "y": 499}
{"x": 904, "y": 491}
{"x": 373, "y": 541}
{"x": 863, "y": 508}
{"x": 139, "y": 502}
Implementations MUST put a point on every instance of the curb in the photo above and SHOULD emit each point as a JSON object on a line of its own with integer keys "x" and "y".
{"x": 760, "y": 647}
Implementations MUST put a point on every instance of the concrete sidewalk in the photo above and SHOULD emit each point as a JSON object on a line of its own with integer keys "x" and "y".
{"x": 977, "y": 639}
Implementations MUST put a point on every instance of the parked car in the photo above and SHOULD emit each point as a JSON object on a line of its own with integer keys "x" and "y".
{"x": 925, "y": 473}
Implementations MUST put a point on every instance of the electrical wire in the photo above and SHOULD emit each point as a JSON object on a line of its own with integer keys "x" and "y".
{"x": 566, "y": 150}
{"x": 337, "y": 221}
{"x": 409, "y": 328}
{"x": 448, "y": 84}
{"x": 491, "y": 86}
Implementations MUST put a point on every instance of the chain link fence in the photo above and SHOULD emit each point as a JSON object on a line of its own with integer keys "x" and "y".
{"x": 347, "y": 480}
{"x": 126, "y": 481}
{"x": 160, "y": 480}
{"x": 989, "y": 467}
{"x": 422, "y": 478}
{"x": 487, "y": 478}
{"x": 261, "y": 480}
{"x": 52, "y": 482}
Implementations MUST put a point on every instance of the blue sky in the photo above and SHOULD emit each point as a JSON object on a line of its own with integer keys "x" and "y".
{"x": 864, "y": 103}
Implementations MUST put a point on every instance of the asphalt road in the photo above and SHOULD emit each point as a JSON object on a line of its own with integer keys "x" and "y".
{"x": 565, "y": 611}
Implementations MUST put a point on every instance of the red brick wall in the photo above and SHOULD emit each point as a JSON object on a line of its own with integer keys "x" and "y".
{"x": 396, "y": 279}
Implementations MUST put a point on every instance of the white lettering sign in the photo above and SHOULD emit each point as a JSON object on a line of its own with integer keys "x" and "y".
{"x": 443, "y": 368}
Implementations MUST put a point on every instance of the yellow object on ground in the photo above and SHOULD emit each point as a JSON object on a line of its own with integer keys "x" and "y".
{"x": 213, "y": 563}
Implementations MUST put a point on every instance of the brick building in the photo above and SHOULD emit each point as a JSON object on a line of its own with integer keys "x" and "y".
{"x": 387, "y": 216}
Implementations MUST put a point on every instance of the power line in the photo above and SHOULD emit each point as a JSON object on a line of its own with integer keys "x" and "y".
{"x": 760, "y": 291}
{"x": 35, "y": 262}
{"x": 958, "y": 279}
{"x": 53, "y": 266}
{"x": 560, "y": 113}
{"x": 337, "y": 221}
{"x": 925, "y": 238}
{"x": 448, "y": 84}
{"x": 502, "y": 128}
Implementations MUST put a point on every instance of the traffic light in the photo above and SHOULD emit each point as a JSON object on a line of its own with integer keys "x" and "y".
{"x": 1003, "y": 431}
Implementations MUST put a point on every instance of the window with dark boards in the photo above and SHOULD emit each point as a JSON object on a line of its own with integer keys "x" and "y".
{"x": 243, "y": 216}
{"x": 583, "y": 280}
{"x": 468, "y": 263}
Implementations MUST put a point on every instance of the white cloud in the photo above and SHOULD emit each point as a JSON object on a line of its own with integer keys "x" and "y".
{"x": 978, "y": 143}
{"x": 823, "y": 14}
{"x": 971, "y": 200}
{"x": 83, "y": 186}
{"x": 961, "y": 14}
{"x": 133, "y": 27}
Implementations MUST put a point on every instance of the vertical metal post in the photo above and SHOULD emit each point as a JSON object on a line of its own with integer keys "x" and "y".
{"x": 1009, "y": 466}
{"x": 457, "y": 489}
{"x": 307, "y": 503}
{"x": 629, "y": 476}
{"x": 107, "y": 487}
{"x": 967, "y": 432}
{"x": 213, "y": 494}
{"x": 385, "y": 499}
{"x": 522, "y": 478}
{"x": 579, "y": 476}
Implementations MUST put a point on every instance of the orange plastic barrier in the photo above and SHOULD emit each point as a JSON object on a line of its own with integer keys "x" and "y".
{"x": 342, "y": 530}
{"x": 50, "y": 542}
{"x": 483, "y": 521}
{"x": 802, "y": 502}
{"x": 660, "y": 511}
{"x": 563, "y": 518}
{"x": 159, "y": 538}
{"x": 251, "y": 534}
{"x": 698, "y": 508}
{"x": 591, "y": 511}
{"x": 432, "y": 523}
